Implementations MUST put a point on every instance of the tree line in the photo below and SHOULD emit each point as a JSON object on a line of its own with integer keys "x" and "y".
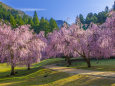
{"x": 43, "y": 24}
{"x": 97, "y": 18}
{"x": 12, "y": 16}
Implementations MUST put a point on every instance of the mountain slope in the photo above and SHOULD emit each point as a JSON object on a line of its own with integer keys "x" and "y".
{"x": 21, "y": 13}
{"x": 59, "y": 23}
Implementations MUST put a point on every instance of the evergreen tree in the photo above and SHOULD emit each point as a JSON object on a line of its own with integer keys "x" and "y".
{"x": 20, "y": 21}
{"x": 44, "y": 26}
{"x": 30, "y": 21}
{"x": 102, "y": 17}
{"x": 53, "y": 25}
{"x": 107, "y": 9}
{"x": 95, "y": 18}
{"x": 25, "y": 19}
{"x": 35, "y": 19}
{"x": 81, "y": 18}
{"x": 17, "y": 19}
{"x": 89, "y": 18}
{"x": 12, "y": 21}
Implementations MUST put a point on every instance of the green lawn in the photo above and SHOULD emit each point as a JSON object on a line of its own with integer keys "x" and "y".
{"x": 49, "y": 61}
{"x": 39, "y": 76}
{"x": 99, "y": 65}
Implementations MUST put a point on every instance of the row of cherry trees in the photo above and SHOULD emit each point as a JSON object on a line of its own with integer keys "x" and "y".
{"x": 95, "y": 42}
{"x": 21, "y": 46}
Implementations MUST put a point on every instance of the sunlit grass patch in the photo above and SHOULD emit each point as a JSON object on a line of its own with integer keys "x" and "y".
{"x": 39, "y": 76}
{"x": 49, "y": 61}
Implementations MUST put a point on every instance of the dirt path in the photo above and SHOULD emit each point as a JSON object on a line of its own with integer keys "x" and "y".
{"x": 81, "y": 71}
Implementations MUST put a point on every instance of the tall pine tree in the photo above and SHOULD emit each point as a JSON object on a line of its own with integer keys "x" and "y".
{"x": 107, "y": 9}
{"x": 12, "y": 21}
{"x": 82, "y": 19}
{"x": 53, "y": 25}
{"x": 44, "y": 26}
{"x": 35, "y": 19}
{"x": 25, "y": 19}
{"x": 20, "y": 21}
{"x": 30, "y": 21}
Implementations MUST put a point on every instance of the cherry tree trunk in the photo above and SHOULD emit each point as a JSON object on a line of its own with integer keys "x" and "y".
{"x": 68, "y": 61}
{"x": 28, "y": 66}
{"x": 87, "y": 61}
{"x": 12, "y": 69}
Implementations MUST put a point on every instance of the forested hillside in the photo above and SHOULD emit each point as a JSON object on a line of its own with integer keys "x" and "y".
{"x": 18, "y": 18}
{"x": 97, "y": 18}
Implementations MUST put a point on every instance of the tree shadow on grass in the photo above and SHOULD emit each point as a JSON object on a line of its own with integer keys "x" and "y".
{"x": 19, "y": 73}
{"x": 43, "y": 76}
{"x": 91, "y": 81}
{"x": 75, "y": 80}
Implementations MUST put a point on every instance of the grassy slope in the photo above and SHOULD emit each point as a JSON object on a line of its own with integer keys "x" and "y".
{"x": 38, "y": 76}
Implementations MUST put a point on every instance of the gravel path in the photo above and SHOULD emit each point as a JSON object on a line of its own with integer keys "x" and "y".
{"x": 82, "y": 71}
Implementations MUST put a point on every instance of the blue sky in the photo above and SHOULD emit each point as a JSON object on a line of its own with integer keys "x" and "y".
{"x": 60, "y": 9}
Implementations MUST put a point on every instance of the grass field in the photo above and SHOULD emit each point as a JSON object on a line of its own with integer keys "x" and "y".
{"x": 39, "y": 76}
